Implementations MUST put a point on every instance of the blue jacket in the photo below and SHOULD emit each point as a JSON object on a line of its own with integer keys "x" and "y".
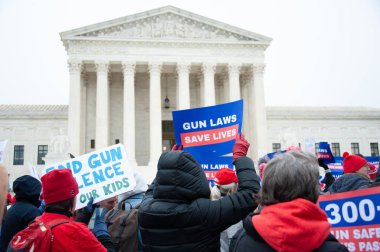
{"x": 27, "y": 190}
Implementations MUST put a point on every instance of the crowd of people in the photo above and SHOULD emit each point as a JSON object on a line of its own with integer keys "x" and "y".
{"x": 275, "y": 210}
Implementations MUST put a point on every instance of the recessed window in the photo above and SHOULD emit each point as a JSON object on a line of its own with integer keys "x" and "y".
{"x": 374, "y": 149}
{"x": 276, "y": 147}
{"x": 92, "y": 144}
{"x": 42, "y": 151}
{"x": 355, "y": 148}
{"x": 18, "y": 155}
{"x": 335, "y": 149}
{"x": 117, "y": 141}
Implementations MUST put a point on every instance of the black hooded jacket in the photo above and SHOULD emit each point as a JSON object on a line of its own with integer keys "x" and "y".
{"x": 177, "y": 214}
{"x": 27, "y": 190}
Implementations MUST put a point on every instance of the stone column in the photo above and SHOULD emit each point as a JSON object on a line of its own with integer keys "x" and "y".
{"x": 201, "y": 99}
{"x": 244, "y": 95}
{"x": 129, "y": 111}
{"x": 155, "y": 114}
{"x": 102, "y": 105}
{"x": 226, "y": 87}
{"x": 209, "y": 84}
{"x": 75, "y": 108}
{"x": 257, "y": 112}
{"x": 234, "y": 84}
{"x": 183, "y": 90}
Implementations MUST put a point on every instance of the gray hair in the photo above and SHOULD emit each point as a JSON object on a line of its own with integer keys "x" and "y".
{"x": 289, "y": 176}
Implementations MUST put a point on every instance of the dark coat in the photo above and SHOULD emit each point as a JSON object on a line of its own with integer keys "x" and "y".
{"x": 27, "y": 190}
{"x": 349, "y": 182}
{"x": 177, "y": 214}
{"x": 248, "y": 239}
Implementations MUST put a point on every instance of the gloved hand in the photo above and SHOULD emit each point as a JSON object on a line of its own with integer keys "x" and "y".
{"x": 100, "y": 228}
{"x": 84, "y": 215}
{"x": 240, "y": 148}
{"x": 322, "y": 164}
{"x": 41, "y": 208}
{"x": 176, "y": 147}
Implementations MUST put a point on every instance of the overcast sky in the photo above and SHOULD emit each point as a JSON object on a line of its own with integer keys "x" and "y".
{"x": 323, "y": 53}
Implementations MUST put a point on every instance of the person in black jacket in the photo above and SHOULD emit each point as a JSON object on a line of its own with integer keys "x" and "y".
{"x": 177, "y": 213}
{"x": 290, "y": 220}
{"x": 27, "y": 190}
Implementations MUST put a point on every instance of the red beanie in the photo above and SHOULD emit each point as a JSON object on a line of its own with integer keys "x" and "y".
{"x": 225, "y": 176}
{"x": 352, "y": 163}
{"x": 59, "y": 185}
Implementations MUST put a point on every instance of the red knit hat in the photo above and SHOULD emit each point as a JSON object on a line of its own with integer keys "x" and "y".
{"x": 352, "y": 163}
{"x": 225, "y": 176}
{"x": 59, "y": 185}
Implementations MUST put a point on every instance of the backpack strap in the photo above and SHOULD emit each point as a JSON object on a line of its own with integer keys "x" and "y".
{"x": 110, "y": 215}
{"x": 121, "y": 230}
{"x": 56, "y": 222}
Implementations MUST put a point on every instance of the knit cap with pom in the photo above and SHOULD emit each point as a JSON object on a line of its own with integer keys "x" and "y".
{"x": 352, "y": 163}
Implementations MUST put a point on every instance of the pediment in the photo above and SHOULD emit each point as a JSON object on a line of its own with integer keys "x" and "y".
{"x": 167, "y": 23}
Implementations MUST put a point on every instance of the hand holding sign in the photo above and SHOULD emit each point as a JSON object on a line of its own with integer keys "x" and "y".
{"x": 177, "y": 147}
{"x": 240, "y": 147}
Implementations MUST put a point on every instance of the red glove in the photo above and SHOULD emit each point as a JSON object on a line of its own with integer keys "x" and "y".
{"x": 240, "y": 148}
{"x": 176, "y": 147}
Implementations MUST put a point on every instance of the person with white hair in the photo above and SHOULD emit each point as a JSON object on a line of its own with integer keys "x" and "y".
{"x": 290, "y": 219}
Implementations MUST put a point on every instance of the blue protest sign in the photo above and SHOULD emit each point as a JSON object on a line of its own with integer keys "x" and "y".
{"x": 101, "y": 174}
{"x": 354, "y": 217}
{"x": 211, "y": 165}
{"x": 208, "y": 131}
{"x": 324, "y": 152}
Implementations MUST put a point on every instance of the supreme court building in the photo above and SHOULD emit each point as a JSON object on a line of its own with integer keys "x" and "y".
{"x": 122, "y": 70}
{"x": 127, "y": 75}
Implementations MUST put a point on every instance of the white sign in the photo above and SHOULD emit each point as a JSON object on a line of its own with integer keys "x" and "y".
{"x": 3, "y": 144}
{"x": 310, "y": 145}
{"x": 101, "y": 174}
{"x": 33, "y": 172}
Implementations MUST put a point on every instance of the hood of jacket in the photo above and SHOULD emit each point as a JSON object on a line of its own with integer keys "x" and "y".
{"x": 349, "y": 182}
{"x": 293, "y": 225}
{"x": 141, "y": 187}
{"x": 27, "y": 188}
{"x": 180, "y": 177}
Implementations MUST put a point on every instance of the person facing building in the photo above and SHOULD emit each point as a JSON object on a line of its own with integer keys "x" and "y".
{"x": 290, "y": 219}
{"x": 177, "y": 213}
{"x": 24, "y": 210}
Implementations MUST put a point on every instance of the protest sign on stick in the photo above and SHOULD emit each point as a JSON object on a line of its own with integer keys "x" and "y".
{"x": 324, "y": 152}
{"x": 101, "y": 174}
{"x": 355, "y": 218}
{"x": 209, "y": 133}
{"x": 33, "y": 172}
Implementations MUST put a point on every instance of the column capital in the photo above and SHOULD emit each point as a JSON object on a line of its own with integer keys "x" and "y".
{"x": 128, "y": 67}
{"x": 183, "y": 67}
{"x": 155, "y": 67}
{"x": 246, "y": 77}
{"x": 234, "y": 68}
{"x": 102, "y": 66}
{"x": 75, "y": 66}
{"x": 208, "y": 68}
{"x": 258, "y": 68}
